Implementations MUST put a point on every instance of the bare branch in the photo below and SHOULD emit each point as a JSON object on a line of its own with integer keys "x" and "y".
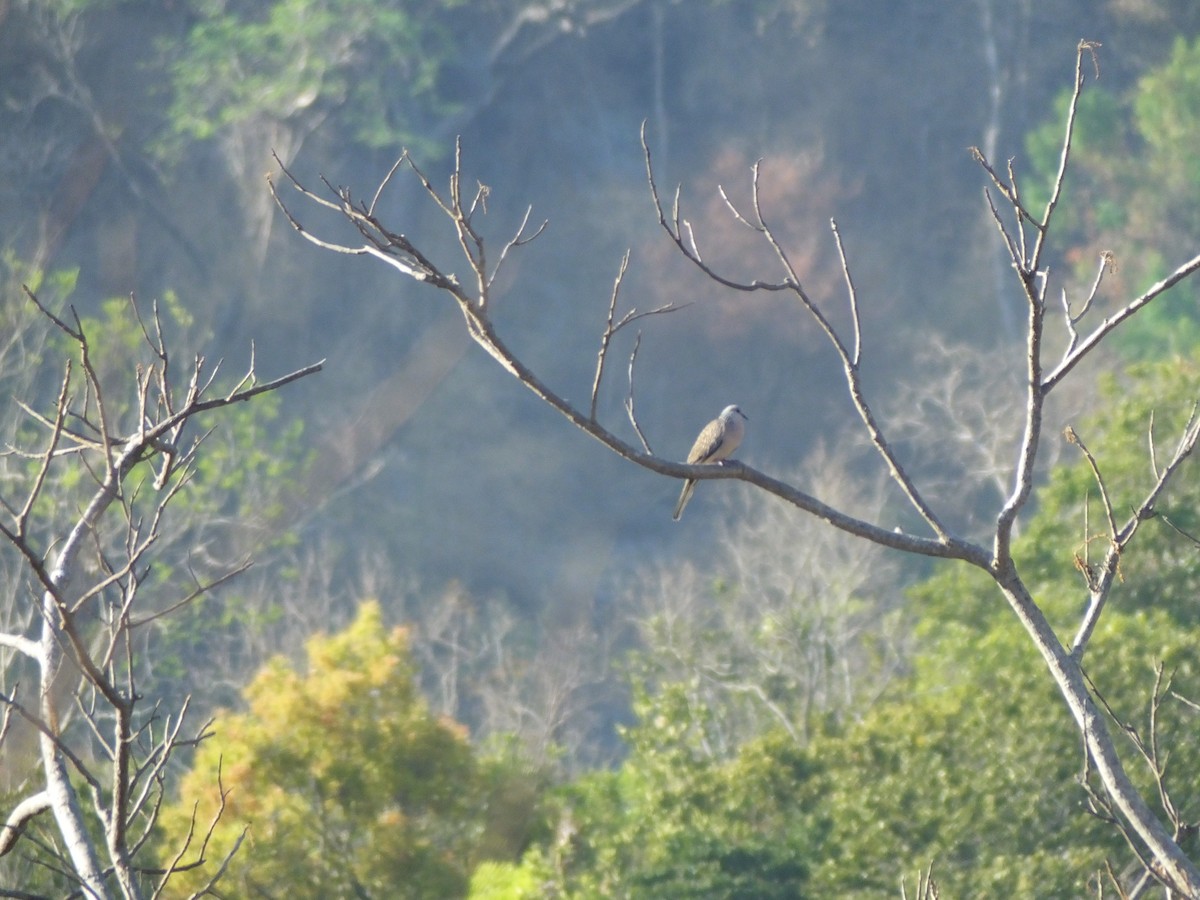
{"x": 48, "y": 732}
{"x": 393, "y": 249}
{"x": 1110, "y": 323}
{"x": 675, "y": 228}
{"x": 1022, "y": 478}
{"x": 733, "y": 209}
{"x": 629, "y": 397}
{"x": 851, "y": 293}
{"x": 63, "y": 326}
{"x": 1007, "y": 189}
{"x": 1157, "y": 763}
{"x": 1152, "y": 447}
{"x": 19, "y": 818}
{"x": 1174, "y": 527}
{"x": 520, "y": 239}
{"x": 927, "y": 887}
{"x": 1033, "y": 262}
{"x": 1107, "y": 264}
{"x": 199, "y": 591}
{"x": 1073, "y": 438}
{"x": 1014, "y": 252}
{"x": 39, "y": 480}
{"x": 150, "y": 771}
{"x": 609, "y": 331}
{"x": 400, "y": 160}
{"x": 21, "y": 644}
{"x": 611, "y": 328}
{"x": 1120, "y": 537}
{"x": 1186, "y": 702}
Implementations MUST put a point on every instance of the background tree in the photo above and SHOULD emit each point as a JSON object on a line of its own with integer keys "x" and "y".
{"x": 262, "y": 79}
{"x": 788, "y": 625}
{"x": 344, "y": 781}
{"x": 88, "y": 597}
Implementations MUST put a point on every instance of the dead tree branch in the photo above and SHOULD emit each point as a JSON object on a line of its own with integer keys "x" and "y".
{"x": 400, "y": 252}
{"x": 850, "y": 359}
{"x": 611, "y": 328}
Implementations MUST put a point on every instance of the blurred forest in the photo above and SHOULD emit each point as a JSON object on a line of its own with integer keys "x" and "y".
{"x": 551, "y": 606}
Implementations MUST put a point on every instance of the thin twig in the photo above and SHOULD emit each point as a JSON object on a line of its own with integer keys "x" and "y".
{"x": 851, "y": 293}
{"x": 606, "y": 335}
{"x": 520, "y": 239}
{"x": 1043, "y": 225}
{"x": 1107, "y": 264}
{"x": 1110, "y": 323}
{"x": 629, "y": 408}
{"x": 1073, "y": 438}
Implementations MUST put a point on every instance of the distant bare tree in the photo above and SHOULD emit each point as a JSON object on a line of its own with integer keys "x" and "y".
{"x": 87, "y": 595}
{"x": 540, "y": 683}
{"x": 777, "y": 626}
{"x": 957, "y": 429}
{"x": 1025, "y": 235}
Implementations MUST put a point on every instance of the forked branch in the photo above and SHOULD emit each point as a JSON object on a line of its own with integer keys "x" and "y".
{"x": 1119, "y": 538}
{"x": 391, "y": 246}
{"x": 850, "y": 359}
{"x": 611, "y": 327}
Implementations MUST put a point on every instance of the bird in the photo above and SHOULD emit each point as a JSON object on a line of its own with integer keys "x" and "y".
{"x": 716, "y": 442}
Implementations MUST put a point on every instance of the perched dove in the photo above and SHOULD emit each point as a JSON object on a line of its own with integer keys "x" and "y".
{"x": 716, "y": 442}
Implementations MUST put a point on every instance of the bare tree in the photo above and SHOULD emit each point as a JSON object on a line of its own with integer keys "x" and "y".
{"x": 541, "y": 683}
{"x": 89, "y": 595}
{"x": 1025, "y": 235}
{"x": 776, "y": 626}
{"x": 957, "y": 429}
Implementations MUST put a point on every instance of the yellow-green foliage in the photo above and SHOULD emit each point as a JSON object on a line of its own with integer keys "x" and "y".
{"x": 506, "y": 881}
{"x": 344, "y": 779}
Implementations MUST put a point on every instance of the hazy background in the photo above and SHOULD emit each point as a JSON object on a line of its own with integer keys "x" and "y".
{"x": 432, "y": 472}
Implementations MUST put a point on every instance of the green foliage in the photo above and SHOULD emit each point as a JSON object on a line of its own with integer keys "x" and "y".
{"x": 674, "y": 822}
{"x": 23, "y": 369}
{"x": 346, "y": 781}
{"x": 1101, "y": 133}
{"x": 1145, "y": 213}
{"x": 1167, "y": 114}
{"x": 956, "y": 773}
{"x": 508, "y": 881}
{"x": 372, "y": 66}
{"x": 1160, "y": 570}
{"x": 971, "y": 761}
{"x": 57, "y": 284}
